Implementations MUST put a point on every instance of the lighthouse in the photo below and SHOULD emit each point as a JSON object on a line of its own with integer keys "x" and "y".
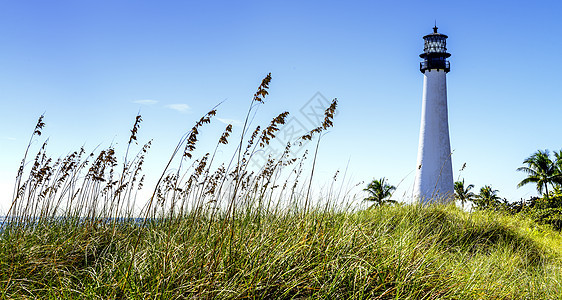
{"x": 434, "y": 173}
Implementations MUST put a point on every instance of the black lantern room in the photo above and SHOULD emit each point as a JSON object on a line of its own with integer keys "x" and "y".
{"x": 435, "y": 52}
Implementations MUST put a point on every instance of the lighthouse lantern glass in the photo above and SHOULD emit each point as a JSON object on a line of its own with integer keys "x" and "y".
{"x": 435, "y": 44}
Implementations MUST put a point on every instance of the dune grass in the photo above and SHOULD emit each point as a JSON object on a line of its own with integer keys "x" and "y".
{"x": 402, "y": 252}
{"x": 230, "y": 231}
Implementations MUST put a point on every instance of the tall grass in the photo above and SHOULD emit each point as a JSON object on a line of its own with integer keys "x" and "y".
{"x": 408, "y": 252}
{"x": 221, "y": 231}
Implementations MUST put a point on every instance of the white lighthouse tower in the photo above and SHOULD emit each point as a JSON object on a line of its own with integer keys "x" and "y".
{"x": 434, "y": 174}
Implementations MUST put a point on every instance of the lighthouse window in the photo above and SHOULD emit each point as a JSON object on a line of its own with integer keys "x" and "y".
{"x": 435, "y": 44}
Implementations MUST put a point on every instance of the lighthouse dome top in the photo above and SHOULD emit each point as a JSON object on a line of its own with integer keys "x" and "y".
{"x": 435, "y": 33}
{"x": 435, "y": 42}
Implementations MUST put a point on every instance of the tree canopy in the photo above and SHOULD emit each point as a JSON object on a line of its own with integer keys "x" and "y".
{"x": 462, "y": 193}
{"x": 379, "y": 190}
{"x": 542, "y": 170}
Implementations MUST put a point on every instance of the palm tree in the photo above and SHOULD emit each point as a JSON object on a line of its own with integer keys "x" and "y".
{"x": 379, "y": 190}
{"x": 463, "y": 194}
{"x": 558, "y": 165}
{"x": 541, "y": 170}
{"x": 487, "y": 198}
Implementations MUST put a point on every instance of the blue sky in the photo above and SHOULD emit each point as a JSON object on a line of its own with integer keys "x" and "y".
{"x": 90, "y": 66}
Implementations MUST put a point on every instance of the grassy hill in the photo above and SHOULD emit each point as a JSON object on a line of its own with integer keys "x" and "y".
{"x": 403, "y": 252}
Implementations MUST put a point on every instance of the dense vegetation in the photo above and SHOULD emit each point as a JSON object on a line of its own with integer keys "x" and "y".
{"x": 388, "y": 252}
{"x": 543, "y": 170}
{"x": 230, "y": 231}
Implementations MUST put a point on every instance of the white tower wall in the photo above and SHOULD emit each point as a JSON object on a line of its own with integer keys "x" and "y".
{"x": 434, "y": 175}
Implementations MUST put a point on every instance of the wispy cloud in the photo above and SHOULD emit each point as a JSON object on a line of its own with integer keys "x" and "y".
{"x": 181, "y": 107}
{"x": 8, "y": 138}
{"x": 146, "y": 102}
{"x": 234, "y": 122}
